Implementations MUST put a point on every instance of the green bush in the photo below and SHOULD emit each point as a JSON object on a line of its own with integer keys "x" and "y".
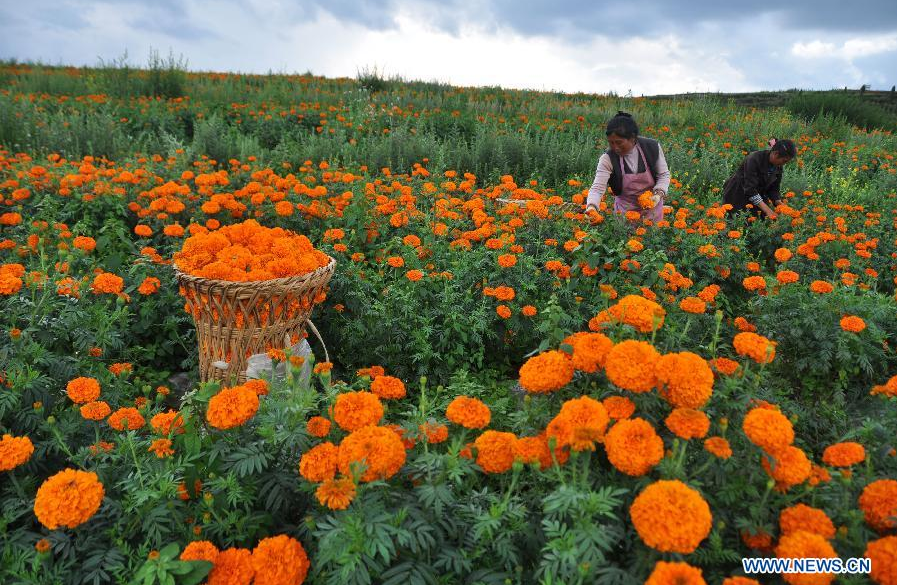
{"x": 814, "y": 106}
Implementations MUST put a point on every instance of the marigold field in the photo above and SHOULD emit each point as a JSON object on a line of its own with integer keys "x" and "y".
{"x": 515, "y": 392}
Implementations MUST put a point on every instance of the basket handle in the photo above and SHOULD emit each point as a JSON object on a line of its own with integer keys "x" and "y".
{"x": 318, "y": 335}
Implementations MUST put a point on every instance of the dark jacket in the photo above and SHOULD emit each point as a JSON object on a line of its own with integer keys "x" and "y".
{"x": 651, "y": 150}
{"x": 755, "y": 176}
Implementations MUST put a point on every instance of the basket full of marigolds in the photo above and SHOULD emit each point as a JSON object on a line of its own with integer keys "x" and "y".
{"x": 250, "y": 290}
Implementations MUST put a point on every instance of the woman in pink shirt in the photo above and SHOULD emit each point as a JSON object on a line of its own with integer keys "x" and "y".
{"x": 630, "y": 166}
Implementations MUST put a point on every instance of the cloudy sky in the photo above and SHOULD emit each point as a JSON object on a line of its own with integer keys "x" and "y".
{"x": 643, "y": 46}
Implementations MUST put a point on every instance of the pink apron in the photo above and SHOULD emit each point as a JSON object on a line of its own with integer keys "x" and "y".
{"x": 634, "y": 184}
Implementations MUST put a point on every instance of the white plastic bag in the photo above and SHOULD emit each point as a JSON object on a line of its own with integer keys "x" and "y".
{"x": 260, "y": 365}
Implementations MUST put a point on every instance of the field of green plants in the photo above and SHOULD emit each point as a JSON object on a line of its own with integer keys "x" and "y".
{"x": 516, "y": 393}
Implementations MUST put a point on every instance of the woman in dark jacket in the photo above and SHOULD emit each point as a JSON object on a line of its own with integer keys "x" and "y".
{"x": 758, "y": 178}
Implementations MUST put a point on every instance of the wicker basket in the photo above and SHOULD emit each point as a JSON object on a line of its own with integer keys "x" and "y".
{"x": 235, "y": 320}
{"x": 567, "y": 206}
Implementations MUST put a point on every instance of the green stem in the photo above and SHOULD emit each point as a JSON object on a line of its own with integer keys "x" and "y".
{"x": 134, "y": 457}
{"x": 61, "y": 442}
{"x": 585, "y": 470}
{"x": 18, "y": 486}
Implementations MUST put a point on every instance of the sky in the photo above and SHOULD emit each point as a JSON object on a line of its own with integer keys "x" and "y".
{"x": 642, "y": 47}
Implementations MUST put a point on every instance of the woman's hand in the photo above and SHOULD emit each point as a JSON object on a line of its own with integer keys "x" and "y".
{"x": 658, "y": 196}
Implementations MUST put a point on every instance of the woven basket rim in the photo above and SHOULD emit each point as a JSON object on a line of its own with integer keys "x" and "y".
{"x": 254, "y": 283}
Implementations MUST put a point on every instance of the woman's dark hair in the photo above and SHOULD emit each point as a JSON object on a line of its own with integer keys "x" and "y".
{"x": 622, "y": 125}
{"x": 784, "y": 148}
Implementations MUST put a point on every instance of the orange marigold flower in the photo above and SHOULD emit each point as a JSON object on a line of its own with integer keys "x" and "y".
{"x": 279, "y": 560}
{"x": 818, "y": 474}
{"x": 740, "y": 581}
{"x": 637, "y": 311}
{"x": 319, "y": 463}
{"x": 378, "y": 449}
{"x": 688, "y": 423}
{"x": 633, "y": 446}
{"x": 414, "y": 275}
{"x": 434, "y": 433}
{"x": 852, "y": 324}
{"x": 685, "y": 379}
{"x": 768, "y": 429}
{"x": 84, "y": 243}
{"x": 742, "y": 324}
{"x": 589, "y": 350}
{"x": 789, "y": 466}
{"x": 232, "y": 407}
{"x": 200, "y": 550}
{"x": 166, "y": 423}
{"x": 318, "y": 426}
{"x": 388, "y": 387}
{"x": 42, "y": 546}
{"x": 14, "y": 451}
{"x": 783, "y": 254}
{"x": 95, "y": 410}
{"x": 547, "y": 372}
{"x": 718, "y": 447}
{"x": 528, "y": 311}
{"x": 395, "y": 261}
{"x": 507, "y": 260}
{"x": 149, "y": 285}
{"x": 533, "y": 450}
{"x": 618, "y": 407}
{"x": 470, "y": 413}
{"x": 889, "y": 388}
{"x": 580, "y": 423}
{"x": 106, "y": 282}
{"x": 69, "y": 498}
{"x": 844, "y": 454}
{"x": 353, "y": 410}
{"x": 821, "y": 287}
{"x": 693, "y": 305}
{"x": 83, "y": 390}
{"x": 126, "y": 419}
{"x": 495, "y": 451}
{"x": 119, "y": 368}
{"x": 233, "y": 566}
{"x": 336, "y": 493}
{"x": 677, "y": 573}
{"x": 162, "y": 448}
{"x": 802, "y": 545}
{"x": 725, "y": 366}
{"x": 754, "y": 283}
{"x": 883, "y": 554}
{"x": 144, "y": 231}
{"x": 787, "y": 276}
{"x": 630, "y": 365}
{"x": 756, "y": 347}
{"x": 757, "y": 540}
{"x": 803, "y": 517}
{"x": 503, "y": 311}
{"x": 670, "y": 516}
{"x": 879, "y": 504}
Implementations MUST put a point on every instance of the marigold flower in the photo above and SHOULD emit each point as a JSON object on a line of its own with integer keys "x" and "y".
{"x": 353, "y": 410}
{"x": 42, "y": 546}
{"x": 84, "y": 243}
{"x": 533, "y": 450}
{"x": 821, "y": 287}
{"x": 725, "y": 366}
{"x": 693, "y": 305}
{"x": 69, "y": 498}
{"x": 495, "y": 451}
{"x": 14, "y": 451}
{"x": 149, "y": 285}
{"x": 388, "y": 387}
{"x": 768, "y": 429}
{"x": 688, "y": 423}
{"x": 789, "y": 466}
{"x": 379, "y": 449}
{"x": 233, "y": 566}
{"x": 677, "y": 573}
{"x": 756, "y": 347}
{"x": 589, "y": 350}
{"x": 107, "y": 283}
{"x": 670, "y": 516}
{"x": 414, "y": 275}
{"x": 279, "y": 560}
{"x": 783, "y": 254}
{"x": 787, "y": 276}
{"x": 637, "y": 311}
{"x": 633, "y": 446}
{"x": 162, "y": 448}
{"x": 200, "y": 550}
{"x": 803, "y": 517}
{"x": 336, "y": 493}
{"x": 318, "y": 426}
{"x": 883, "y": 554}
{"x": 630, "y": 365}
{"x": 528, "y": 311}
{"x": 684, "y": 379}
{"x": 618, "y": 407}
{"x": 758, "y": 540}
{"x": 83, "y": 390}
{"x": 718, "y": 447}
{"x": 889, "y": 388}
{"x": 801, "y": 545}
{"x": 126, "y": 419}
{"x": 844, "y": 454}
{"x": 852, "y": 324}
{"x": 166, "y": 423}
{"x": 469, "y": 413}
{"x": 95, "y": 410}
{"x": 507, "y": 260}
{"x": 878, "y": 501}
{"x": 319, "y": 463}
{"x": 753, "y": 283}
{"x": 232, "y": 407}
{"x": 434, "y": 433}
{"x": 547, "y": 372}
{"x": 580, "y": 423}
